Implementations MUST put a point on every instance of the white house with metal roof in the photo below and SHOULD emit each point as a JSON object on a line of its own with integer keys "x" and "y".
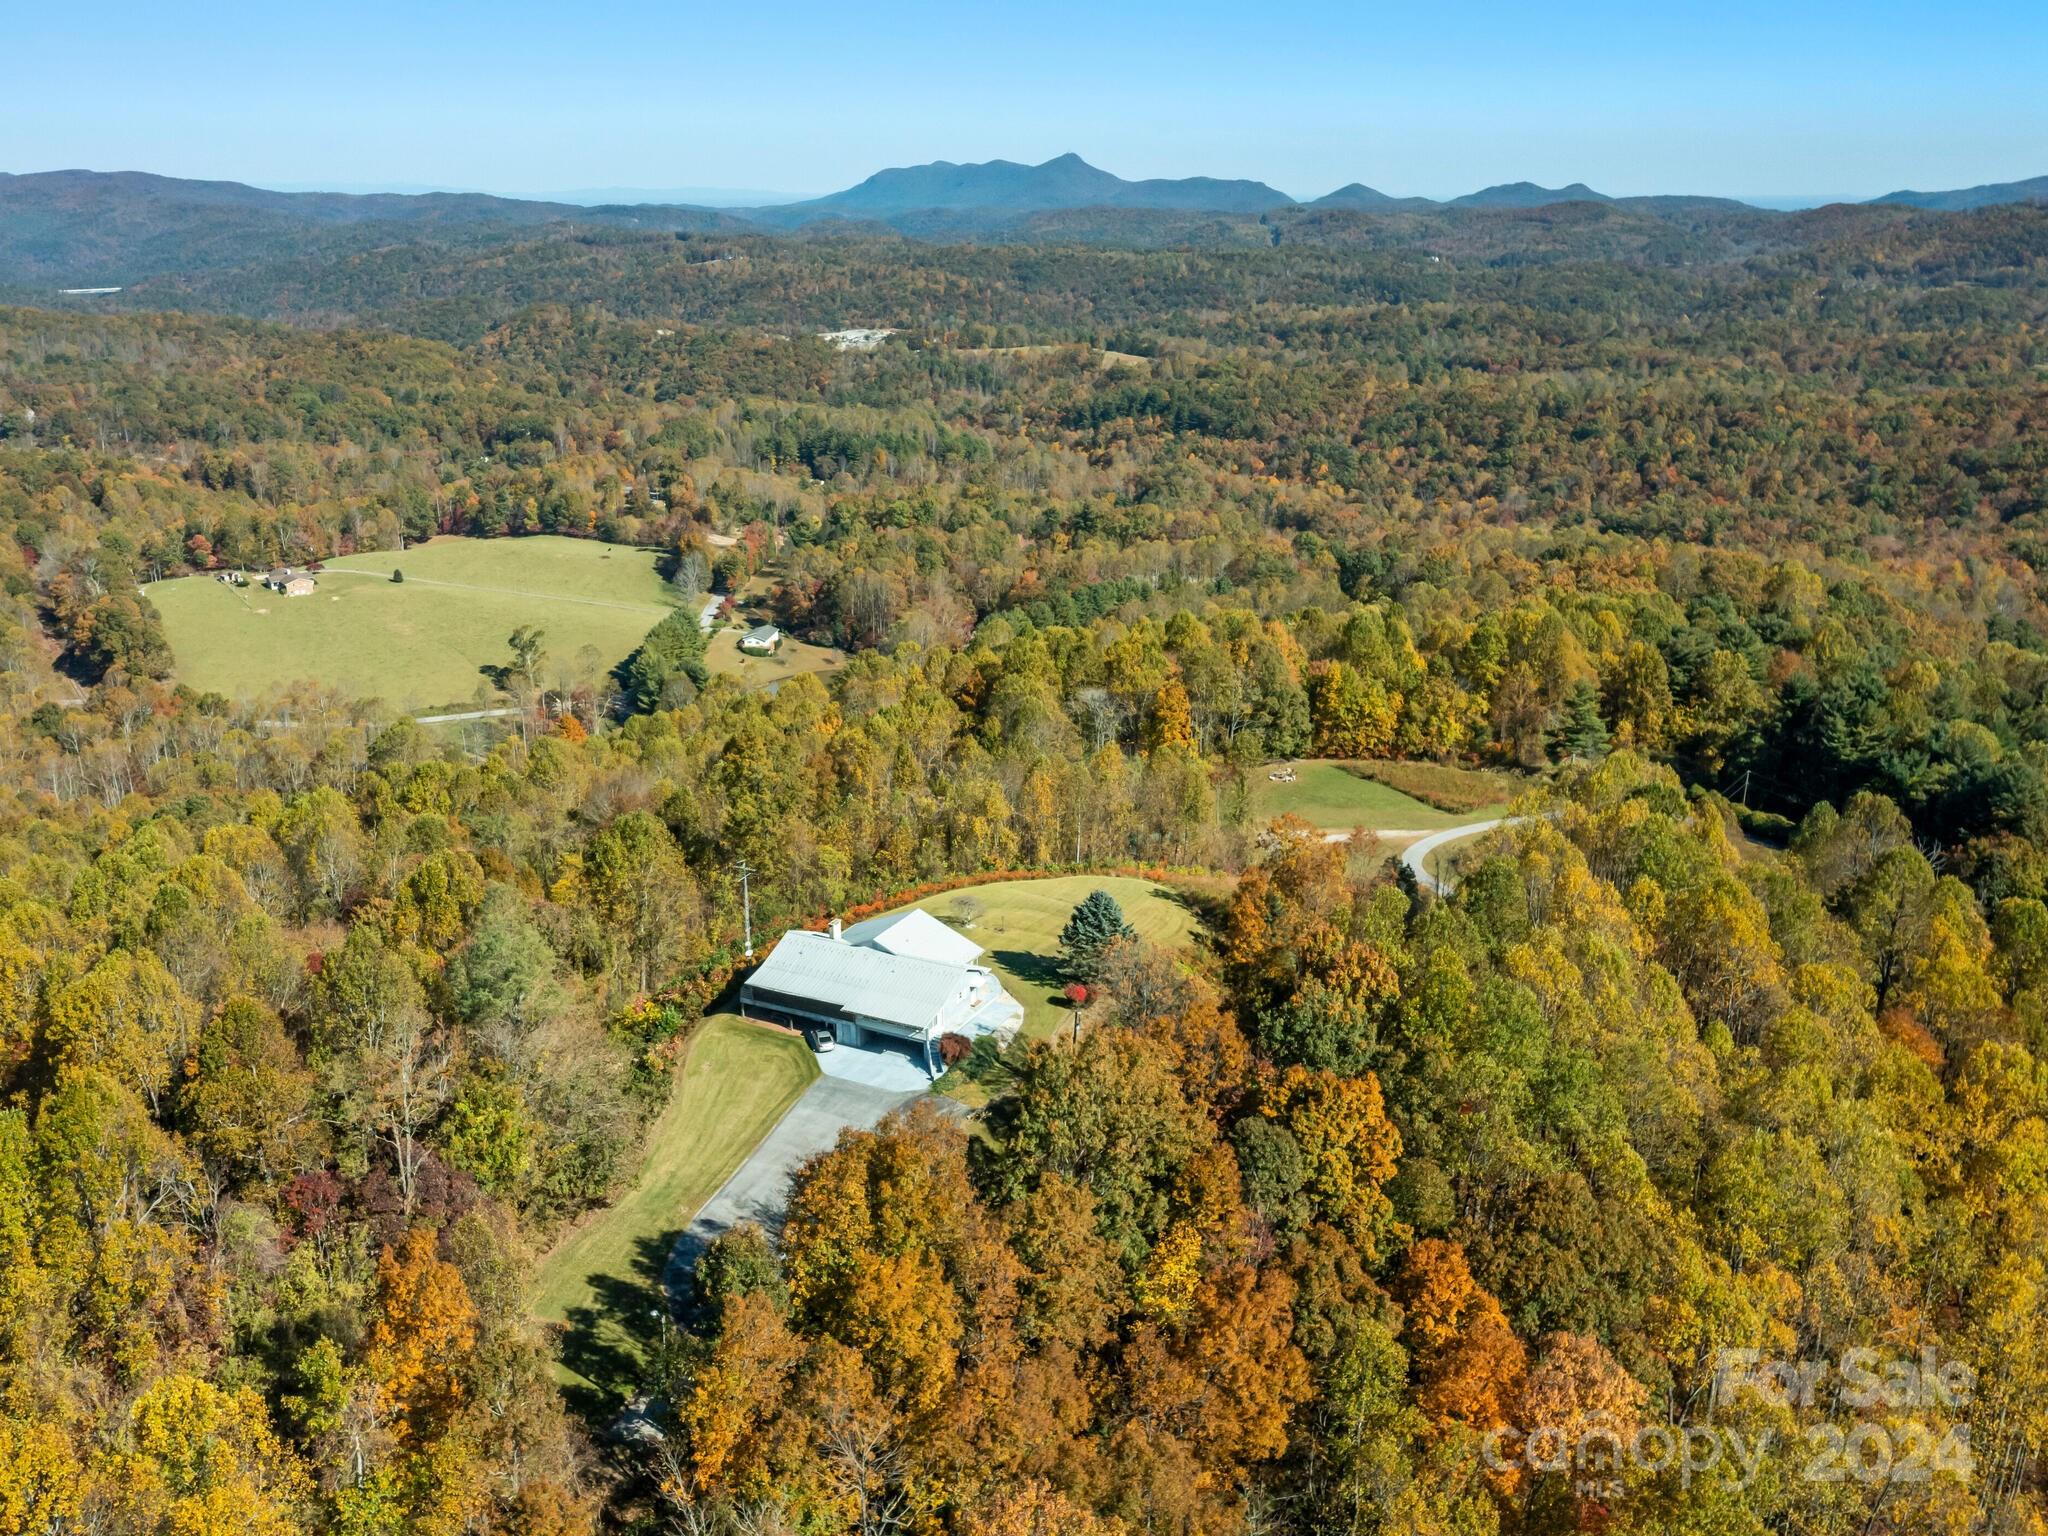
{"x": 918, "y": 934}
{"x": 900, "y": 981}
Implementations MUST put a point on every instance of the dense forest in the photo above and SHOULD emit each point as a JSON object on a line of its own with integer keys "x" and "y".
{"x": 317, "y": 1025}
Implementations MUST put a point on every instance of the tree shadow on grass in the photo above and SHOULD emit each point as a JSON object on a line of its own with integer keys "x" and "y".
{"x": 1033, "y": 970}
{"x": 1201, "y": 908}
{"x": 611, "y": 1342}
{"x": 1037, "y": 973}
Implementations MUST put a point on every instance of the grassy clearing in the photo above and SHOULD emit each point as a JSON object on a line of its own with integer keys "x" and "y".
{"x": 1107, "y": 360}
{"x": 422, "y": 642}
{"x": 1018, "y": 923}
{"x": 1339, "y": 796}
{"x": 723, "y": 656}
{"x": 602, "y": 1281}
{"x": 1460, "y": 792}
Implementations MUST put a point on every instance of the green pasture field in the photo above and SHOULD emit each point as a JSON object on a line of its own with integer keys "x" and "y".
{"x": 423, "y": 642}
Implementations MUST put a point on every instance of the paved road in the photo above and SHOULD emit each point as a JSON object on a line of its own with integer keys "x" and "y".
{"x": 757, "y": 1191}
{"x": 1344, "y": 835}
{"x": 1416, "y": 854}
{"x": 468, "y": 714}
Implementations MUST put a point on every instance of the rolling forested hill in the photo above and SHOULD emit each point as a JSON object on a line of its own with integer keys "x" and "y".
{"x": 1723, "y": 533}
{"x": 1993, "y": 194}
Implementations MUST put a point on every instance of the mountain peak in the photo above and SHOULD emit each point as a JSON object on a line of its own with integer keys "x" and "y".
{"x": 1527, "y": 194}
{"x": 1004, "y": 187}
{"x": 1358, "y": 195}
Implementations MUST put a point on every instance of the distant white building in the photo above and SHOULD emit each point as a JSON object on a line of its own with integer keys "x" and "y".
{"x": 761, "y": 640}
{"x": 906, "y": 979}
{"x": 291, "y": 581}
{"x": 858, "y": 339}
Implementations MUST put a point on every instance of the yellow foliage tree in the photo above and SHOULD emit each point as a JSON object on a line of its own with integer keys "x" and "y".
{"x": 1172, "y": 722}
{"x": 41, "y": 1480}
{"x": 205, "y": 1463}
{"x": 1349, "y": 1147}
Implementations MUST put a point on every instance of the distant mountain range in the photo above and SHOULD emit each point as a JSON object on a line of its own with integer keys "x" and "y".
{"x": 137, "y": 195}
{"x": 1005, "y": 186}
{"x": 88, "y": 229}
{"x": 688, "y": 197}
{"x": 992, "y": 186}
{"x": 581, "y": 197}
{"x": 1992, "y": 195}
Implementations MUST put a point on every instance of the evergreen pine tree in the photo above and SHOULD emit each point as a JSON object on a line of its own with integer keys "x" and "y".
{"x": 673, "y": 649}
{"x": 1093, "y": 926}
{"x": 1581, "y": 733}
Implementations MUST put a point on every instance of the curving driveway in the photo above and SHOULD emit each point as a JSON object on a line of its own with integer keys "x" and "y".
{"x": 759, "y": 1188}
{"x": 1417, "y": 854}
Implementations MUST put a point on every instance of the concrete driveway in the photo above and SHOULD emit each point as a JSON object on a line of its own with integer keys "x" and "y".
{"x": 899, "y": 1069}
{"x": 759, "y": 1190}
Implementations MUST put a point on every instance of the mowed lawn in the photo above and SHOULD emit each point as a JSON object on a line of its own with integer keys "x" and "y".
{"x": 794, "y": 658}
{"x": 1018, "y": 923}
{"x": 602, "y": 1282}
{"x": 424, "y": 641}
{"x": 1338, "y": 797}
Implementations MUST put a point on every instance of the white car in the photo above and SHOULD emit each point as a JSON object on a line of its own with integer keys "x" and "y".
{"x": 821, "y": 1040}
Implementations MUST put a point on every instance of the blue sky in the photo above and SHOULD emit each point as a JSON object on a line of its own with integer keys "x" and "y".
{"x": 521, "y": 97}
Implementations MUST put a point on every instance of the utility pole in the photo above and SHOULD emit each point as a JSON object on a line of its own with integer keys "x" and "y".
{"x": 745, "y": 872}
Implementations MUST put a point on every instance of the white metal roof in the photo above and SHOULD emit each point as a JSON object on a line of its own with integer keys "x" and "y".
{"x": 900, "y": 989}
{"x": 918, "y": 934}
